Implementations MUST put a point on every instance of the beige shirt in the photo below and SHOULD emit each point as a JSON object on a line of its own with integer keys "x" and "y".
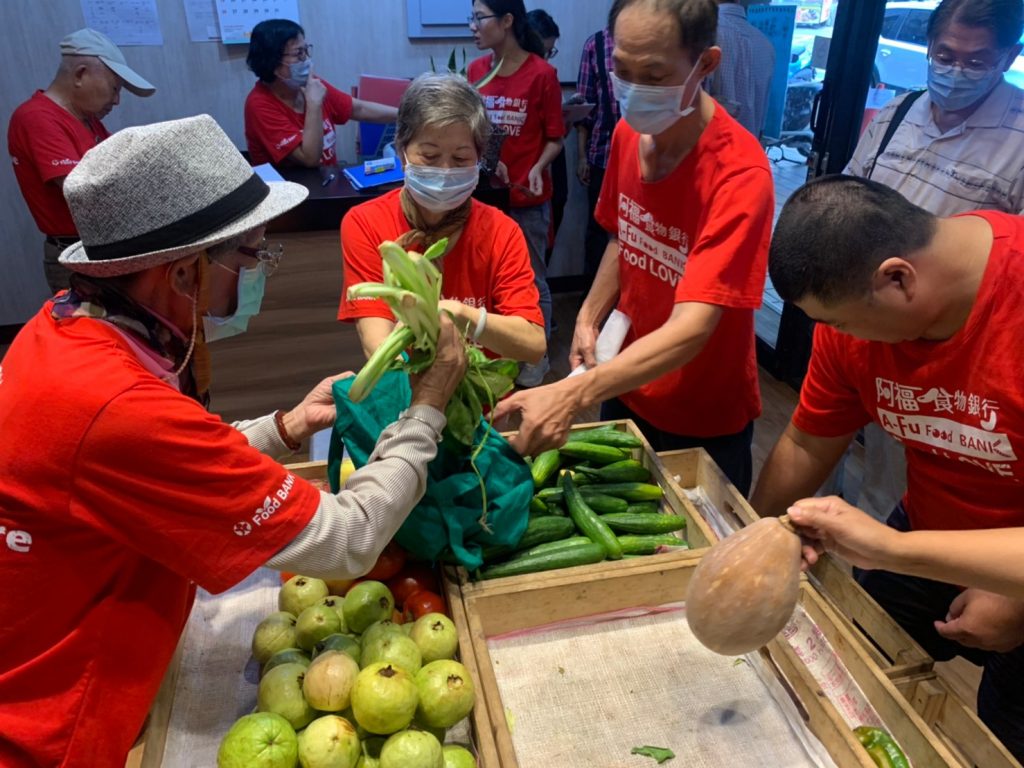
{"x": 979, "y": 164}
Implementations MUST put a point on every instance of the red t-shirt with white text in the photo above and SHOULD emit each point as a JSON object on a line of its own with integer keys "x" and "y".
{"x": 46, "y": 142}
{"x": 526, "y": 107}
{"x": 119, "y": 496}
{"x": 698, "y": 235}
{"x": 273, "y": 130}
{"x": 957, "y": 406}
{"x": 489, "y": 265}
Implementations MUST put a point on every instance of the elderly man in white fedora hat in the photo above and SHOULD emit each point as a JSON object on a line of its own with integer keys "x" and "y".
{"x": 120, "y": 492}
{"x": 49, "y": 133}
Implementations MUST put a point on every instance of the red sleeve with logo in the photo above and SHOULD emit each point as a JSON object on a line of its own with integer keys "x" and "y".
{"x": 337, "y": 105}
{"x": 830, "y": 403}
{"x": 363, "y": 229}
{"x": 272, "y": 130}
{"x": 54, "y": 152}
{"x": 226, "y": 508}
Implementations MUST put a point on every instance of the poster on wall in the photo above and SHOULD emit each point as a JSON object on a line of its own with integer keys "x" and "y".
{"x": 126, "y": 22}
{"x": 777, "y": 22}
{"x": 201, "y": 17}
{"x": 238, "y": 17}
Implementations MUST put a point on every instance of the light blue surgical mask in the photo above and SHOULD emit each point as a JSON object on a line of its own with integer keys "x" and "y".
{"x": 251, "y": 283}
{"x": 298, "y": 73}
{"x": 652, "y": 109}
{"x": 440, "y": 189}
{"x": 952, "y": 90}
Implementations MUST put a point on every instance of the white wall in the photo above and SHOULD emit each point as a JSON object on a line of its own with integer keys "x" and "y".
{"x": 351, "y": 37}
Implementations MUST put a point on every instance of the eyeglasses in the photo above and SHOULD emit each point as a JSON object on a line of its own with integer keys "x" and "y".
{"x": 552, "y": 53}
{"x": 974, "y": 69}
{"x": 474, "y": 19}
{"x": 302, "y": 53}
{"x": 269, "y": 257}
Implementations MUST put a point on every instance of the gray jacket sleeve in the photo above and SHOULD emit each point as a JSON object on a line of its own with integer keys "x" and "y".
{"x": 263, "y": 436}
{"x": 349, "y": 530}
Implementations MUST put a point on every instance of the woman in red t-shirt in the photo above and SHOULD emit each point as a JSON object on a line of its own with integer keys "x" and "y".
{"x": 290, "y": 114}
{"x": 488, "y": 284}
{"x": 524, "y": 102}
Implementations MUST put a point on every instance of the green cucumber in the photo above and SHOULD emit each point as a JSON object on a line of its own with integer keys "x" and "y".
{"x": 648, "y": 507}
{"x": 584, "y": 553}
{"x": 625, "y": 471}
{"x": 632, "y": 491}
{"x": 644, "y": 522}
{"x": 552, "y": 546}
{"x": 598, "y": 454}
{"x": 538, "y": 530}
{"x": 600, "y": 502}
{"x": 592, "y": 526}
{"x": 538, "y": 507}
{"x": 545, "y": 465}
{"x": 884, "y": 751}
{"x": 606, "y": 436}
{"x": 649, "y": 544}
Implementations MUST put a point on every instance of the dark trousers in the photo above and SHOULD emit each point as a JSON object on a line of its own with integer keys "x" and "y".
{"x": 597, "y": 237}
{"x": 915, "y": 603}
{"x": 57, "y": 275}
{"x": 730, "y": 452}
{"x": 559, "y": 197}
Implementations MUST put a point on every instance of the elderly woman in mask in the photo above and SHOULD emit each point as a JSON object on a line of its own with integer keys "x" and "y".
{"x": 488, "y": 283}
{"x": 290, "y": 113}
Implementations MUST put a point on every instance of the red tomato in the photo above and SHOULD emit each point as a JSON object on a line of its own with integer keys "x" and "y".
{"x": 423, "y": 602}
{"x": 411, "y": 579}
{"x": 388, "y": 564}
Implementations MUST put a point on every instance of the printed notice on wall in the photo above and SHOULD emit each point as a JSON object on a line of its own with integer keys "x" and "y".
{"x": 238, "y": 17}
{"x": 201, "y": 17}
{"x": 126, "y": 22}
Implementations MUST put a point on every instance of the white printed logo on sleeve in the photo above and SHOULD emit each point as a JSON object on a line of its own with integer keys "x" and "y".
{"x": 941, "y": 420}
{"x": 649, "y": 245}
{"x": 267, "y": 509}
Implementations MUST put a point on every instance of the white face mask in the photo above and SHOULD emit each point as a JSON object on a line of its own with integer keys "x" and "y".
{"x": 652, "y": 109}
{"x": 440, "y": 189}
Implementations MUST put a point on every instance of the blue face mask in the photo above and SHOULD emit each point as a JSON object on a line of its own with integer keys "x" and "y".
{"x": 251, "y": 283}
{"x": 298, "y": 73}
{"x": 652, "y": 109}
{"x": 440, "y": 189}
{"x": 953, "y": 91}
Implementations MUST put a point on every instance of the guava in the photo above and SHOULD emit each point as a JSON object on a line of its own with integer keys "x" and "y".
{"x": 367, "y": 602}
{"x": 280, "y": 691}
{"x": 456, "y": 756}
{"x": 273, "y": 634}
{"x": 343, "y": 643}
{"x": 328, "y": 682}
{"x": 436, "y": 636}
{"x": 300, "y": 592}
{"x": 384, "y": 698}
{"x": 394, "y": 648}
{"x": 412, "y": 749}
{"x": 379, "y": 629}
{"x": 260, "y": 740}
{"x": 371, "y": 747}
{"x": 337, "y": 604}
{"x": 329, "y": 742}
{"x": 314, "y": 624}
{"x": 437, "y": 733}
{"x": 407, "y": 628}
{"x": 446, "y": 693}
{"x": 288, "y": 655}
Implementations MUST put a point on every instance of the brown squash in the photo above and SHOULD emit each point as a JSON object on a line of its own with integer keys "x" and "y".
{"x": 745, "y": 588}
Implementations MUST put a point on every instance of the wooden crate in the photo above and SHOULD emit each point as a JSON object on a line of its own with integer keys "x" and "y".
{"x": 895, "y": 652}
{"x": 569, "y": 595}
{"x": 955, "y": 723}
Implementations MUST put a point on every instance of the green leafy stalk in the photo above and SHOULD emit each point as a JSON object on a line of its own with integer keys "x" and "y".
{"x": 380, "y": 362}
{"x": 490, "y": 75}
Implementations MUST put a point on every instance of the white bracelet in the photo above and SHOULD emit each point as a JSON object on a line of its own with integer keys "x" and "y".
{"x": 481, "y": 323}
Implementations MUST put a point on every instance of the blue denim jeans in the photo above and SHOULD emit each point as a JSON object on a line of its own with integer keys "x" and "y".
{"x": 915, "y": 603}
{"x": 535, "y": 221}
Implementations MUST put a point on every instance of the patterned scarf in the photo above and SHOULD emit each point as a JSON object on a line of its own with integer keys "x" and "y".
{"x": 422, "y": 235}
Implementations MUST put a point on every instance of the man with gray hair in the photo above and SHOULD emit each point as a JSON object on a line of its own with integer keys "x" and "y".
{"x": 49, "y": 134}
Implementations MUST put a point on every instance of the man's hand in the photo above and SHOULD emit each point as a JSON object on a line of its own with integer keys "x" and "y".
{"x": 435, "y": 386}
{"x": 314, "y": 91}
{"x": 832, "y": 525}
{"x": 980, "y": 619}
{"x": 547, "y": 414}
{"x": 316, "y": 411}
{"x": 535, "y": 179}
{"x": 584, "y": 345}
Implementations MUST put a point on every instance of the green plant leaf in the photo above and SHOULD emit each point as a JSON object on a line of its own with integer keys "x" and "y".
{"x": 660, "y": 754}
{"x": 502, "y": 367}
{"x": 432, "y": 67}
{"x": 461, "y": 424}
{"x": 451, "y": 62}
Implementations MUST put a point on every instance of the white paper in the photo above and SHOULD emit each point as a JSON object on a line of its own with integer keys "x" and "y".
{"x": 238, "y": 17}
{"x": 609, "y": 341}
{"x": 267, "y": 172}
{"x": 126, "y": 22}
{"x": 201, "y": 17}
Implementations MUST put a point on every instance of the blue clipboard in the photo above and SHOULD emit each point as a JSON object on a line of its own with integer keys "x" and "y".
{"x": 361, "y": 180}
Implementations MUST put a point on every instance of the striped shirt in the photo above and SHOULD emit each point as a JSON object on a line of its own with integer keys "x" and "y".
{"x": 743, "y": 79}
{"x": 601, "y": 121}
{"x": 978, "y": 164}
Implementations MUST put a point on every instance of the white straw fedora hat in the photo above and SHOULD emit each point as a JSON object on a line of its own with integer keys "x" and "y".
{"x": 152, "y": 194}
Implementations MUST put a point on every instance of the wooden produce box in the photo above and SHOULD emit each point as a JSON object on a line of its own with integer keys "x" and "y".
{"x": 895, "y": 652}
{"x": 516, "y": 607}
{"x": 955, "y": 723}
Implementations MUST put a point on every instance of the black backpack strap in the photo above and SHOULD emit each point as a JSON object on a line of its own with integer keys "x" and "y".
{"x": 890, "y": 130}
{"x": 602, "y": 73}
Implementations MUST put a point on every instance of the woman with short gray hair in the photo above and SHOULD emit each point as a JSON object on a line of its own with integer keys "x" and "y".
{"x": 488, "y": 283}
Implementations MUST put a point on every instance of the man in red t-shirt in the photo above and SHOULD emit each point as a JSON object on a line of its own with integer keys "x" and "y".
{"x": 49, "y": 133}
{"x": 920, "y": 328}
{"x": 290, "y": 114}
{"x": 120, "y": 492}
{"x": 688, "y": 203}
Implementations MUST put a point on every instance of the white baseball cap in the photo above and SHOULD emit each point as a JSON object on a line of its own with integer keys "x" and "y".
{"x": 89, "y": 42}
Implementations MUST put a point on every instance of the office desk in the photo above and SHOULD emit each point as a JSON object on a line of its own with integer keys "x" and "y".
{"x": 329, "y": 202}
